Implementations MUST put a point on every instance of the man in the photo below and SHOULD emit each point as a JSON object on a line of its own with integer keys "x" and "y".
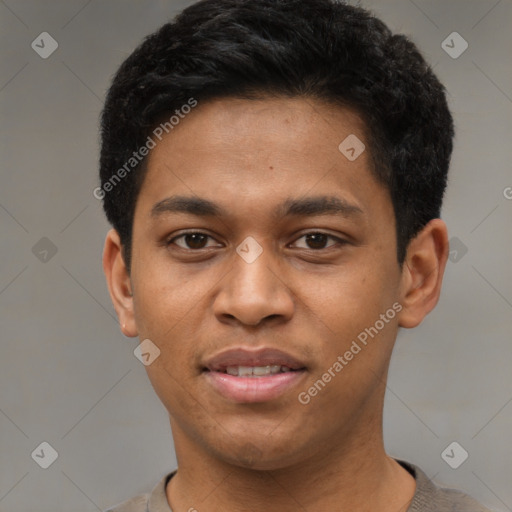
{"x": 274, "y": 172}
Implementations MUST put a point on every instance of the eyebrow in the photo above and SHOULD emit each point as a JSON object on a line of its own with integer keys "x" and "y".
{"x": 308, "y": 206}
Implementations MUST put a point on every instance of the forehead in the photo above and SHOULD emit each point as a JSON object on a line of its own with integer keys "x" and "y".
{"x": 296, "y": 124}
{"x": 262, "y": 151}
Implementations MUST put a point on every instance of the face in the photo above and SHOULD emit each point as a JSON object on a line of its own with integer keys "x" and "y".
{"x": 280, "y": 254}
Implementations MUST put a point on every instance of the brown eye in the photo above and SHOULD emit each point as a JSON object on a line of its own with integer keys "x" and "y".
{"x": 318, "y": 241}
{"x": 195, "y": 240}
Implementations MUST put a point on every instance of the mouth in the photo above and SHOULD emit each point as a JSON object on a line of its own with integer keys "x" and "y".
{"x": 256, "y": 371}
{"x": 244, "y": 376}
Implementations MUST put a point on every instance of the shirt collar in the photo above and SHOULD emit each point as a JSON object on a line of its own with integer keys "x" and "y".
{"x": 157, "y": 501}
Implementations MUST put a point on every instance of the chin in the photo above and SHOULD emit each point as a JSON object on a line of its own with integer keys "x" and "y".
{"x": 267, "y": 458}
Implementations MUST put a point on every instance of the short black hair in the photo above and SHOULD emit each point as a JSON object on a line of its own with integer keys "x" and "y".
{"x": 318, "y": 49}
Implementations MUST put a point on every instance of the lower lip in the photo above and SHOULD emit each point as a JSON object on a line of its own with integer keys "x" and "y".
{"x": 253, "y": 389}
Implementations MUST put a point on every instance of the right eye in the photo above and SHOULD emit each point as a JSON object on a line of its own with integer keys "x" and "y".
{"x": 192, "y": 240}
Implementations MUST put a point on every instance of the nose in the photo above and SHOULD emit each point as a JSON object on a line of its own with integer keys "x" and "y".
{"x": 254, "y": 292}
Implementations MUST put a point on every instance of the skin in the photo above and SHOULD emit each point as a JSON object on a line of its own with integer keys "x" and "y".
{"x": 311, "y": 300}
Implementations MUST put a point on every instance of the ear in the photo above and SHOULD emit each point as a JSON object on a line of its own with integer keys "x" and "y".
{"x": 119, "y": 284}
{"x": 422, "y": 273}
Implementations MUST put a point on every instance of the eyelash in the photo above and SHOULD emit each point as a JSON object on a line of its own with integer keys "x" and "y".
{"x": 340, "y": 241}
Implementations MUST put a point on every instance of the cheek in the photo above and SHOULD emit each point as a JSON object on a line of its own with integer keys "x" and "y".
{"x": 351, "y": 294}
{"x": 347, "y": 306}
{"x": 169, "y": 310}
{"x": 161, "y": 297}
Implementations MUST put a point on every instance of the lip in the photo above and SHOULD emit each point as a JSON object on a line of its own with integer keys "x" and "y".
{"x": 252, "y": 389}
{"x": 259, "y": 357}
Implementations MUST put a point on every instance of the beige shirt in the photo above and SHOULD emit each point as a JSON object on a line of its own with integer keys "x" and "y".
{"x": 427, "y": 498}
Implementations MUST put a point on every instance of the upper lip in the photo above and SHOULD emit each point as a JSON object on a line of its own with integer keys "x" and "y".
{"x": 246, "y": 357}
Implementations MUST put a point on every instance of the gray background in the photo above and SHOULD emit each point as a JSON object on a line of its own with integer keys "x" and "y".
{"x": 67, "y": 374}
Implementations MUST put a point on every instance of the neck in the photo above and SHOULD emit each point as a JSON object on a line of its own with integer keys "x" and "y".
{"x": 352, "y": 474}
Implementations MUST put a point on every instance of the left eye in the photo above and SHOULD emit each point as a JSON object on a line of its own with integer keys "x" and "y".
{"x": 318, "y": 240}
{"x": 197, "y": 240}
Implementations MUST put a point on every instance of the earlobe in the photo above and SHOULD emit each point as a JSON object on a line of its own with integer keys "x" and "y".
{"x": 422, "y": 273}
{"x": 119, "y": 284}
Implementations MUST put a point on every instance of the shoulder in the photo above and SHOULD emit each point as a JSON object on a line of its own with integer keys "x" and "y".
{"x": 430, "y": 497}
{"x": 155, "y": 501}
{"x": 457, "y": 501}
{"x": 136, "y": 504}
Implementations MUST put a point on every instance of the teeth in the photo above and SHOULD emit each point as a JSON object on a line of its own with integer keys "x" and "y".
{"x": 260, "y": 370}
{"x": 256, "y": 371}
{"x": 244, "y": 371}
